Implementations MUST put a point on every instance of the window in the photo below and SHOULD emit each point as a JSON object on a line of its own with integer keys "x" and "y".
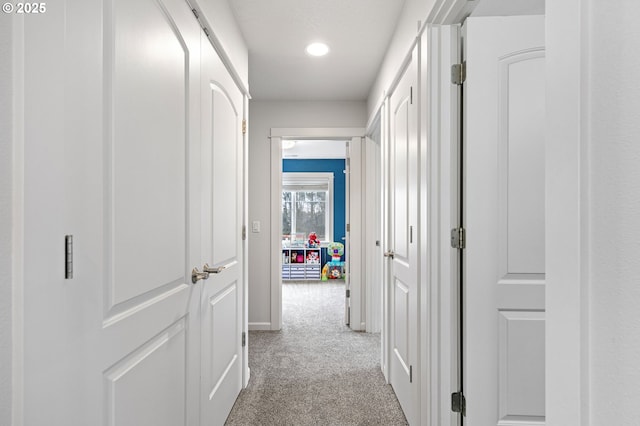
{"x": 307, "y": 206}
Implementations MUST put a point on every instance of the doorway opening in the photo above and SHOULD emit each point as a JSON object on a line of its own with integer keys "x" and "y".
{"x": 314, "y": 214}
{"x": 350, "y": 265}
{"x": 314, "y": 217}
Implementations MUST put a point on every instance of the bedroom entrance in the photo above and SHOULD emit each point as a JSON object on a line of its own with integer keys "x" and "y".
{"x": 314, "y": 215}
{"x": 317, "y": 188}
{"x": 314, "y": 232}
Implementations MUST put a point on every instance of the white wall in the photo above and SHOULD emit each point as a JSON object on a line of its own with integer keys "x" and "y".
{"x": 6, "y": 116}
{"x": 593, "y": 345}
{"x": 264, "y": 116}
{"x": 509, "y": 7}
{"x": 614, "y": 211}
{"x": 405, "y": 34}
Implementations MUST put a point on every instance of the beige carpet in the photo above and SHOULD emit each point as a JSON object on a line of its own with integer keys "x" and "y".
{"x": 315, "y": 371}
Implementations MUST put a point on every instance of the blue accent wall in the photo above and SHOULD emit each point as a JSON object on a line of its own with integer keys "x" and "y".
{"x": 335, "y": 166}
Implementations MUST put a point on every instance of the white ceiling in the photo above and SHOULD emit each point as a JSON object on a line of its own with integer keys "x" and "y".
{"x": 358, "y": 33}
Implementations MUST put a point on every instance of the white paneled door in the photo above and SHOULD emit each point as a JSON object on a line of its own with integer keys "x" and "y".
{"x": 115, "y": 331}
{"x": 402, "y": 251}
{"x": 222, "y": 293}
{"x": 504, "y": 213}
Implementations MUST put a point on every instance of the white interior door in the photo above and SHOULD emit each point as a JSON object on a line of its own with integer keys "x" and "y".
{"x": 504, "y": 269}
{"x": 111, "y": 158}
{"x": 222, "y": 197}
{"x": 403, "y": 199}
{"x": 222, "y": 293}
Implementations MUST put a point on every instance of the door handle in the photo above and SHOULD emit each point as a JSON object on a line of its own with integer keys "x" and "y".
{"x": 197, "y": 275}
{"x": 389, "y": 253}
{"x": 210, "y": 270}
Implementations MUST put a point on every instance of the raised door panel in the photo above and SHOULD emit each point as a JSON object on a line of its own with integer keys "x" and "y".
{"x": 521, "y": 161}
{"x": 146, "y": 154}
{"x": 401, "y": 324}
{"x": 226, "y": 122}
{"x": 221, "y": 357}
{"x": 401, "y": 179}
{"x": 521, "y": 344}
{"x": 158, "y": 371}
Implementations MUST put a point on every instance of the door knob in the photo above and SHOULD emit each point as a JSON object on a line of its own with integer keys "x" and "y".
{"x": 389, "y": 253}
{"x": 197, "y": 275}
{"x": 209, "y": 269}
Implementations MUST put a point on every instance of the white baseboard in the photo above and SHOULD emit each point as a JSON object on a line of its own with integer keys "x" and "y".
{"x": 259, "y": 326}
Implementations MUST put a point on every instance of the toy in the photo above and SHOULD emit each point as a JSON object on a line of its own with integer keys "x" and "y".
{"x": 325, "y": 272}
{"x": 299, "y": 258}
{"x": 313, "y": 240}
{"x": 335, "y": 270}
{"x": 313, "y": 257}
{"x": 336, "y": 250}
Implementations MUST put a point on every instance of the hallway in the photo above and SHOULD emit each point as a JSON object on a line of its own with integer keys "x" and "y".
{"x": 315, "y": 371}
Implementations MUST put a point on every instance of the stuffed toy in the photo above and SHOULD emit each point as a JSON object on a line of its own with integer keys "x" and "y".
{"x": 313, "y": 257}
{"x": 313, "y": 240}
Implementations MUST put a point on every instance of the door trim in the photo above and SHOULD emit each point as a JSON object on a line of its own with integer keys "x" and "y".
{"x": 16, "y": 203}
{"x": 277, "y": 134}
{"x": 246, "y": 371}
{"x": 218, "y": 46}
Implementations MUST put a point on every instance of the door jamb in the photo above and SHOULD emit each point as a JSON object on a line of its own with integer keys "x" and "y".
{"x": 246, "y": 371}
{"x": 443, "y": 371}
{"x": 372, "y": 187}
{"x": 277, "y": 134}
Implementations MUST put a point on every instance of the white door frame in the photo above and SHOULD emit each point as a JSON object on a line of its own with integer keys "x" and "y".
{"x": 567, "y": 168}
{"x": 439, "y": 336}
{"x": 246, "y": 372}
{"x": 372, "y": 239}
{"x": 355, "y": 136}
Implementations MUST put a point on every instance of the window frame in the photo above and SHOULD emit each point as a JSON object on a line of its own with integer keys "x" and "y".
{"x": 313, "y": 180}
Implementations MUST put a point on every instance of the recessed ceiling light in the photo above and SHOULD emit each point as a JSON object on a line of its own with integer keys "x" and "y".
{"x": 317, "y": 49}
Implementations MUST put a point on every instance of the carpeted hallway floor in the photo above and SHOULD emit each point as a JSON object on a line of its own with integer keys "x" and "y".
{"x": 315, "y": 371}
